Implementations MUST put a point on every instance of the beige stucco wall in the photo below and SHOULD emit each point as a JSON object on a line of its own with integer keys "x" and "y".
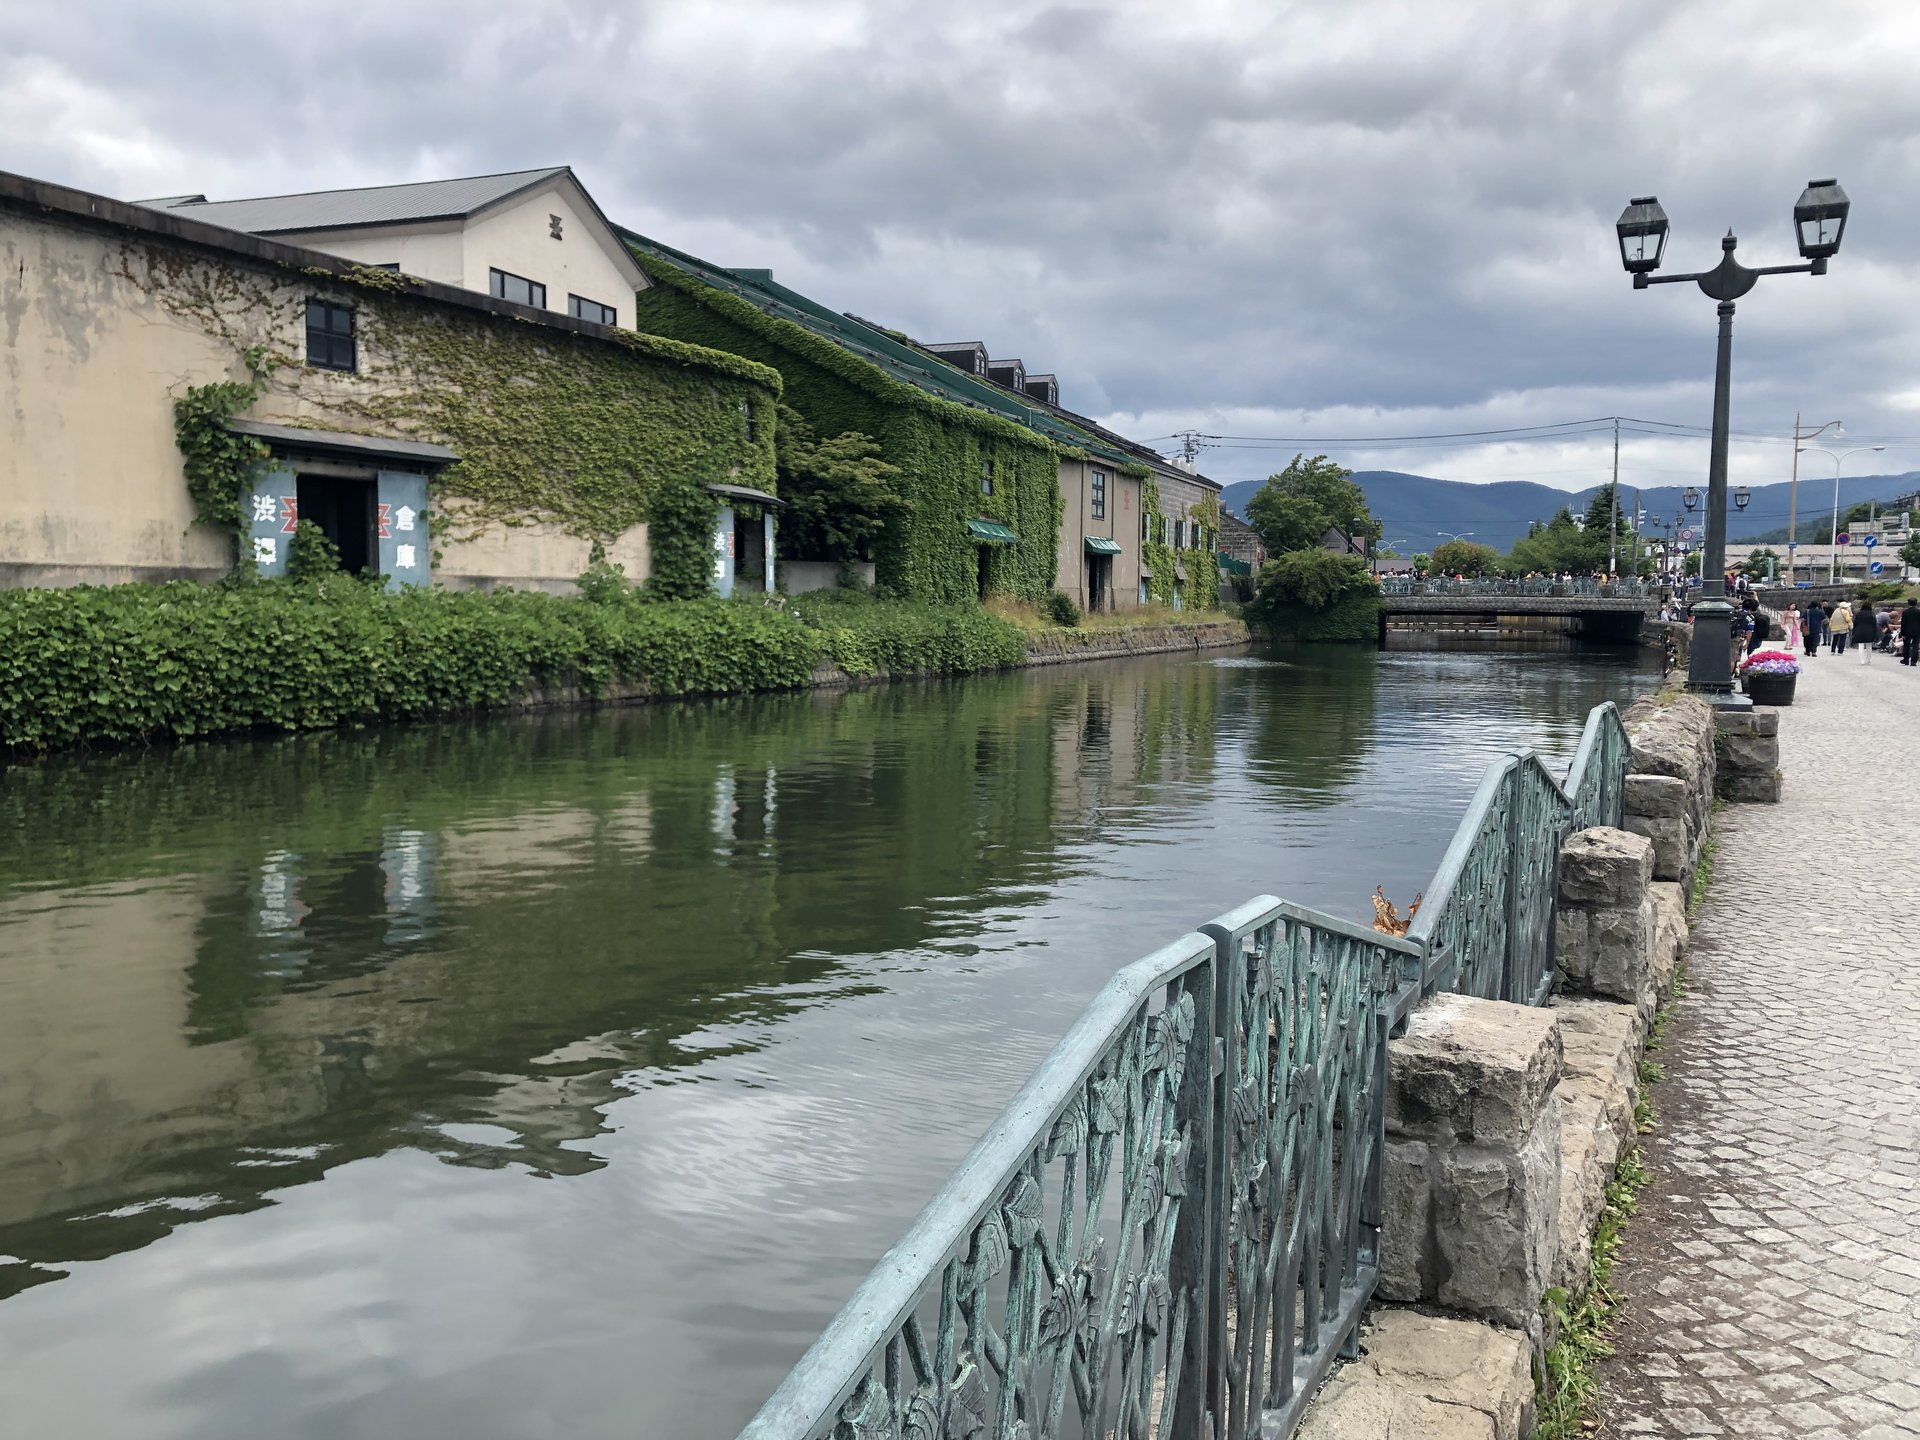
{"x": 536, "y": 556}
{"x": 1121, "y": 524}
{"x": 585, "y": 261}
{"x": 101, "y": 334}
{"x": 90, "y": 479}
{"x": 433, "y": 252}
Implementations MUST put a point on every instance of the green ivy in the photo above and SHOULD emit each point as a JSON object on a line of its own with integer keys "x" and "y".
{"x": 550, "y": 425}
{"x": 1159, "y": 556}
{"x": 939, "y": 447}
{"x": 864, "y": 636}
{"x": 217, "y": 462}
{"x": 681, "y": 539}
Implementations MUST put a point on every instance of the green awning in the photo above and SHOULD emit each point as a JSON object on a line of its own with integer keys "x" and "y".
{"x": 1100, "y": 545}
{"x": 990, "y": 532}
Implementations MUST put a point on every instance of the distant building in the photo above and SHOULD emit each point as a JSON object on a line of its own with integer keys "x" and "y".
{"x": 534, "y": 237}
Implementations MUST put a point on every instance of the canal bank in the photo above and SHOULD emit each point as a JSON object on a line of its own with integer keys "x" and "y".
{"x": 566, "y": 1071}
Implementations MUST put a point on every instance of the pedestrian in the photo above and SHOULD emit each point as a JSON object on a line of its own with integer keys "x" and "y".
{"x": 1866, "y": 629}
{"x": 1840, "y": 627}
{"x": 1792, "y": 622}
{"x": 1910, "y": 633}
{"x": 1816, "y": 628}
{"x": 1758, "y": 626}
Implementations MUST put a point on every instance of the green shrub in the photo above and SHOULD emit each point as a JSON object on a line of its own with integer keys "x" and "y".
{"x": 1060, "y": 608}
{"x": 133, "y": 663}
{"x": 311, "y": 553}
{"x": 868, "y": 636}
{"x": 603, "y": 582}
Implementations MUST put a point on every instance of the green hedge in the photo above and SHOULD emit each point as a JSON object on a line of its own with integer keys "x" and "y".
{"x": 864, "y": 636}
{"x": 134, "y": 663}
{"x": 130, "y": 663}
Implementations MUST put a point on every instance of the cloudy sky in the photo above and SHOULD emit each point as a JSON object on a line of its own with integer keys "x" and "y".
{"x": 1337, "y": 218}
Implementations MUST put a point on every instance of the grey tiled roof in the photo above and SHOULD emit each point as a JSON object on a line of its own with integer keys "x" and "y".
{"x": 377, "y": 205}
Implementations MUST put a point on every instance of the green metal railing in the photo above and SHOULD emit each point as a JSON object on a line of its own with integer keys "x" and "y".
{"x": 1585, "y": 586}
{"x": 1174, "y": 1228}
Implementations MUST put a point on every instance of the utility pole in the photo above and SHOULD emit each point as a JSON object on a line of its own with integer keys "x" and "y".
{"x": 1613, "y": 496}
{"x": 1189, "y": 445}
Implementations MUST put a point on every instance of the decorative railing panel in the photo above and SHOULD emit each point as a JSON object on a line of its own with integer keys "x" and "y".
{"x": 1174, "y": 1228}
{"x": 1622, "y": 589}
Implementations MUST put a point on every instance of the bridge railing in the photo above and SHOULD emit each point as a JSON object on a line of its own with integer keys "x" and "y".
{"x": 1604, "y": 589}
{"x": 1174, "y": 1228}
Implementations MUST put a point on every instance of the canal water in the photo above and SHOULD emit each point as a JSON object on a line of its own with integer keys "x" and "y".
{"x": 560, "y": 1076}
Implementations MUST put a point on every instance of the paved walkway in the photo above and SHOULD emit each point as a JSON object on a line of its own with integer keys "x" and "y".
{"x": 1772, "y": 1278}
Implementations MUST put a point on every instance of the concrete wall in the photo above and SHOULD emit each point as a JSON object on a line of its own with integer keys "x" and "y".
{"x": 1121, "y": 524}
{"x": 102, "y": 333}
{"x": 797, "y": 577}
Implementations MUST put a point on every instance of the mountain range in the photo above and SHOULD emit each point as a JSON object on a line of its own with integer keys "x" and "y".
{"x": 1419, "y": 512}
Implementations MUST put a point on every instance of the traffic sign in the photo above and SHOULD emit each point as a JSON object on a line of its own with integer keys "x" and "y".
{"x": 1687, "y": 534}
{"x": 1843, "y": 539}
{"x": 1875, "y": 568}
{"x": 1871, "y": 541}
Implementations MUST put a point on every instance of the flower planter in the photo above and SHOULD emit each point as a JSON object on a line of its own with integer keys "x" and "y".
{"x": 1770, "y": 689}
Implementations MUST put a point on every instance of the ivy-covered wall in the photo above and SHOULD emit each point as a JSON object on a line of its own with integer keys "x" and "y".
{"x": 1159, "y": 554}
{"x": 564, "y": 436}
{"x": 939, "y": 447}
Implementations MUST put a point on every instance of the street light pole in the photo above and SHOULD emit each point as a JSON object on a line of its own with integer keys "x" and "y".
{"x": 1833, "y": 540}
{"x": 1820, "y": 217}
{"x": 1793, "y": 493}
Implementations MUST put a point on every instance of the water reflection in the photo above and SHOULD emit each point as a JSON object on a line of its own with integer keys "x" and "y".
{"x": 626, "y": 985}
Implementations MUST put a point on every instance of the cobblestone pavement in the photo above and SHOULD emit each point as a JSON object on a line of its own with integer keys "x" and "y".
{"x": 1772, "y": 1277}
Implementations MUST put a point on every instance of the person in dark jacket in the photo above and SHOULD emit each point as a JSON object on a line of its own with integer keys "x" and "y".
{"x": 1758, "y": 626}
{"x": 1866, "y": 629}
{"x": 1910, "y": 634}
{"x": 1814, "y": 627}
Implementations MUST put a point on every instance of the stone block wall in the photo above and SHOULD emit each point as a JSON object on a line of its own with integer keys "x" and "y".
{"x": 1747, "y": 755}
{"x": 1472, "y": 1177}
{"x": 1670, "y": 783}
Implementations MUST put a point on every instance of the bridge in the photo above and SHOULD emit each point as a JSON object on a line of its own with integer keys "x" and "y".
{"x": 1606, "y": 610}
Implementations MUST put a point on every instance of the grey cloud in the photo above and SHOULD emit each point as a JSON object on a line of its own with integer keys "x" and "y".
{"x": 1208, "y": 214}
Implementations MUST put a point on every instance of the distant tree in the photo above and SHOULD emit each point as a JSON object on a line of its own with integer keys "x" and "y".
{"x": 1563, "y": 543}
{"x": 1463, "y": 557}
{"x": 1421, "y": 561}
{"x": 1910, "y": 552}
{"x": 1763, "y": 562}
{"x": 1317, "y": 578}
{"x": 1295, "y": 508}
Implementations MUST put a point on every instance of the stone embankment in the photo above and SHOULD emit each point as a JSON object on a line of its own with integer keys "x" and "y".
{"x": 1505, "y": 1123}
{"x": 1053, "y": 647}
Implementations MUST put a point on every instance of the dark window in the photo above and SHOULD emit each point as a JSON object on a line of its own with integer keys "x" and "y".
{"x": 1099, "y": 494}
{"x": 330, "y": 335}
{"x": 1146, "y": 525}
{"x": 517, "y": 288}
{"x": 345, "y": 510}
{"x": 753, "y": 430}
{"x": 582, "y": 308}
{"x": 393, "y": 265}
{"x": 986, "y": 477}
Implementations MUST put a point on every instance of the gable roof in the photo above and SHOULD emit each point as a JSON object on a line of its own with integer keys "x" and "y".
{"x": 894, "y": 356}
{"x": 412, "y": 203}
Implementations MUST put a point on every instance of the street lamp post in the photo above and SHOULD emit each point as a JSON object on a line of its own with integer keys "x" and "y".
{"x": 1833, "y": 540}
{"x": 1820, "y": 219}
